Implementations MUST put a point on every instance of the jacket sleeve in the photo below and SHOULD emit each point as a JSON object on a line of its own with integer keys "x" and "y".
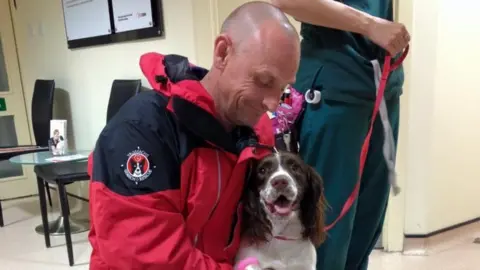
{"x": 136, "y": 206}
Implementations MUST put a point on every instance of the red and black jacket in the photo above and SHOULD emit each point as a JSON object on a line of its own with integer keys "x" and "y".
{"x": 166, "y": 177}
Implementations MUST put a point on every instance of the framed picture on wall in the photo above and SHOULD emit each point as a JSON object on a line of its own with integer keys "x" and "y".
{"x": 97, "y": 22}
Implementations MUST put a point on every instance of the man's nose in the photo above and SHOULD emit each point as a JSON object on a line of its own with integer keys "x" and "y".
{"x": 271, "y": 103}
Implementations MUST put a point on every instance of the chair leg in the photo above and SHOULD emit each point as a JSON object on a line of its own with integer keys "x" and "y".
{"x": 66, "y": 219}
{"x": 49, "y": 196}
{"x": 43, "y": 210}
{"x": 1, "y": 215}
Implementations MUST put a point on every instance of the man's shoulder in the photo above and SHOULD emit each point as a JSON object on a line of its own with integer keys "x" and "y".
{"x": 144, "y": 106}
{"x": 147, "y": 119}
{"x": 147, "y": 109}
{"x": 137, "y": 147}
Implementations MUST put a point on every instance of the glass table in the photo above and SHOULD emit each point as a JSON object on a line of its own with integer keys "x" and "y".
{"x": 47, "y": 158}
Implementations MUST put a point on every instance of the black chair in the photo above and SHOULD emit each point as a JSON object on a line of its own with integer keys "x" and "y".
{"x": 42, "y": 113}
{"x": 62, "y": 174}
{"x": 122, "y": 90}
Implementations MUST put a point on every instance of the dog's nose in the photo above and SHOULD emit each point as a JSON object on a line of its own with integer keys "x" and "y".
{"x": 279, "y": 183}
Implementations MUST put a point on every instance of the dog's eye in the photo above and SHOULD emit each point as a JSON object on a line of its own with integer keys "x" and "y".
{"x": 262, "y": 170}
{"x": 295, "y": 167}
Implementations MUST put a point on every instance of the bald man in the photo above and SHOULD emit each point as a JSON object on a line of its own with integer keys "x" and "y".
{"x": 168, "y": 169}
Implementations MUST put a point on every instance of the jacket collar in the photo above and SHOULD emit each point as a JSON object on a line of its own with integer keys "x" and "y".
{"x": 175, "y": 77}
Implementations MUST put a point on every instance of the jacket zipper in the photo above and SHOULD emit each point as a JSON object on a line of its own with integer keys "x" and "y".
{"x": 219, "y": 186}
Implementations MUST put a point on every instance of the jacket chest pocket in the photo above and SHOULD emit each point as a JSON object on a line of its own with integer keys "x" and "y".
{"x": 203, "y": 192}
{"x": 235, "y": 234}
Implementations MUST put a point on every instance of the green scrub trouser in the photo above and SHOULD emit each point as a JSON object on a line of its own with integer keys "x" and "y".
{"x": 331, "y": 137}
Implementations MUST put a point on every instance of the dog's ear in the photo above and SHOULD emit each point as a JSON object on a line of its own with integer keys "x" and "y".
{"x": 255, "y": 224}
{"x": 312, "y": 207}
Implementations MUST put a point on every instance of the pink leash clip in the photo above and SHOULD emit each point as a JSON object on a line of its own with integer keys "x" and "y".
{"x": 250, "y": 263}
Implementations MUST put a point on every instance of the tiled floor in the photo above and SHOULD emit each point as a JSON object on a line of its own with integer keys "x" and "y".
{"x": 21, "y": 248}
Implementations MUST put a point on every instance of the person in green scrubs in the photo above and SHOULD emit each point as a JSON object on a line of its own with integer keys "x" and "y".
{"x": 341, "y": 39}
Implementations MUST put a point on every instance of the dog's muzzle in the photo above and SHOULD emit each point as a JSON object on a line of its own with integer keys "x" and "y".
{"x": 282, "y": 184}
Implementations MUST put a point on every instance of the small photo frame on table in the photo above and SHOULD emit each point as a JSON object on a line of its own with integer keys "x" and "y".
{"x": 57, "y": 143}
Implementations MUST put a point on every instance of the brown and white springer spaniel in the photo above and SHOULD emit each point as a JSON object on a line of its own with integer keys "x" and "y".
{"x": 284, "y": 207}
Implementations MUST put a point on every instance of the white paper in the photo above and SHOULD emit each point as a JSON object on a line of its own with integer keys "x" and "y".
{"x": 66, "y": 158}
{"x": 131, "y": 15}
{"x": 86, "y": 18}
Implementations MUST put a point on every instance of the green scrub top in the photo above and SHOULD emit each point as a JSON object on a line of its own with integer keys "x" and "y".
{"x": 345, "y": 57}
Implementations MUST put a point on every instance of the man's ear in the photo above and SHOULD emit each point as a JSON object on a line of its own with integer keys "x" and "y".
{"x": 222, "y": 51}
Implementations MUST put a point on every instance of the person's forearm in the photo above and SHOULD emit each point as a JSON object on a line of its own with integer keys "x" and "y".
{"x": 327, "y": 13}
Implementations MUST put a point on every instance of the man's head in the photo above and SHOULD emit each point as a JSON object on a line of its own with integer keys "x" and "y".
{"x": 256, "y": 56}
{"x": 56, "y": 134}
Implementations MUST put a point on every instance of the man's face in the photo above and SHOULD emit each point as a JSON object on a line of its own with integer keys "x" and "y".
{"x": 254, "y": 77}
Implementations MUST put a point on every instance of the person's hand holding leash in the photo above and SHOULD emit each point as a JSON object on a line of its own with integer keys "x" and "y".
{"x": 391, "y": 36}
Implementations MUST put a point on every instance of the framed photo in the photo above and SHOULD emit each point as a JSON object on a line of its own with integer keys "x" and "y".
{"x": 58, "y": 137}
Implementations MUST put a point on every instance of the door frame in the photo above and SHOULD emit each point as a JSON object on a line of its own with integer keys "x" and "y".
{"x": 206, "y": 26}
{"x": 394, "y": 228}
{"x": 23, "y": 185}
{"x": 205, "y": 29}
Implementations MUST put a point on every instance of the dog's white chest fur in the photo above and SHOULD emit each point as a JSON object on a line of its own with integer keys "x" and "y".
{"x": 287, "y": 252}
{"x": 281, "y": 254}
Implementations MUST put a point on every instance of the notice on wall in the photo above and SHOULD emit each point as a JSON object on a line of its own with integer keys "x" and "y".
{"x": 132, "y": 15}
{"x": 86, "y": 18}
{"x": 3, "y": 105}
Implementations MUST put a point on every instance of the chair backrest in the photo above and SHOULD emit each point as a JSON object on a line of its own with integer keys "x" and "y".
{"x": 122, "y": 90}
{"x": 42, "y": 110}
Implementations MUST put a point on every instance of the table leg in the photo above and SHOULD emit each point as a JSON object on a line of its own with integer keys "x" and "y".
{"x": 65, "y": 212}
{"x": 57, "y": 227}
{"x": 1, "y": 215}
{"x": 43, "y": 210}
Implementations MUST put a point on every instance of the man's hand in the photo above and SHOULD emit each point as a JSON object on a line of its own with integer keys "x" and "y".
{"x": 391, "y": 36}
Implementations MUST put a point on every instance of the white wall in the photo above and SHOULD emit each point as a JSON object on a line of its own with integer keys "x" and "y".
{"x": 456, "y": 153}
{"x": 439, "y": 167}
{"x": 87, "y": 73}
{"x": 443, "y": 169}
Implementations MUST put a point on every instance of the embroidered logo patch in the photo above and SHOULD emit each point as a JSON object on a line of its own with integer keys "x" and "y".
{"x": 138, "y": 167}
